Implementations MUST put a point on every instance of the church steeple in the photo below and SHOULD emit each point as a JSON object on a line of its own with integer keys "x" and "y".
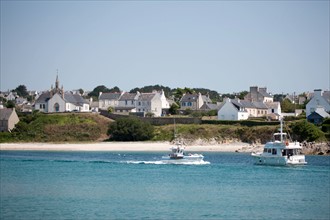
{"x": 57, "y": 82}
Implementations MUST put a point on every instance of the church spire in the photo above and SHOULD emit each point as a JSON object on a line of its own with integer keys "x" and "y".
{"x": 57, "y": 82}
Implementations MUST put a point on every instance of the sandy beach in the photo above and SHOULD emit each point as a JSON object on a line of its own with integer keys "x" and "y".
{"x": 122, "y": 146}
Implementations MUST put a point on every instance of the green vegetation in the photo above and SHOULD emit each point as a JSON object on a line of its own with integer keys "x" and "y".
{"x": 39, "y": 127}
{"x": 219, "y": 133}
{"x": 130, "y": 129}
{"x": 75, "y": 127}
{"x": 305, "y": 131}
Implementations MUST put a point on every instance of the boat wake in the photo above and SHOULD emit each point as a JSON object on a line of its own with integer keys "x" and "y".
{"x": 166, "y": 162}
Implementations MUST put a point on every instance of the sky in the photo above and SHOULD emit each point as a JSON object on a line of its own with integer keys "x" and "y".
{"x": 226, "y": 46}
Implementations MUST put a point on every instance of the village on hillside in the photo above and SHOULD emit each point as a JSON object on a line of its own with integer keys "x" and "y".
{"x": 256, "y": 103}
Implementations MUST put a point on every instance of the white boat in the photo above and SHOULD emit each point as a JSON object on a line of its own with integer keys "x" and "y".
{"x": 178, "y": 155}
{"x": 280, "y": 151}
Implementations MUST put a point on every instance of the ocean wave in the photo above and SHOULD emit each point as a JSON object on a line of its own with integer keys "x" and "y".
{"x": 167, "y": 162}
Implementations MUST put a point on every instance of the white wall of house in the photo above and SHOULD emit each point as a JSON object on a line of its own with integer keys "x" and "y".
{"x": 229, "y": 112}
{"x": 56, "y": 104}
{"x": 165, "y": 104}
{"x": 275, "y": 108}
{"x": 156, "y": 105}
{"x": 41, "y": 106}
{"x": 84, "y": 108}
{"x": 106, "y": 103}
{"x": 316, "y": 102}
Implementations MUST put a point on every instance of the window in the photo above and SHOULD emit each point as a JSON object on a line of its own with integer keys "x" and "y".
{"x": 125, "y": 102}
{"x": 274, "y": 151}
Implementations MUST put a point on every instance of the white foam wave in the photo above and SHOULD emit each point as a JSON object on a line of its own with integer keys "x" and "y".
{"x": 165, "y": 162}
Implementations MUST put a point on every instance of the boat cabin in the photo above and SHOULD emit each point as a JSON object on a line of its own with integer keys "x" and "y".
{"x": 282, "y": 151}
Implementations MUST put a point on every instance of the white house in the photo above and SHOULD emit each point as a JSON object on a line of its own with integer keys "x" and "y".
{"x": 154, "y": 102}
{"x": 232, "y": 110}
{"x": 317, "y": 101}
{"x": 109, "y": 99}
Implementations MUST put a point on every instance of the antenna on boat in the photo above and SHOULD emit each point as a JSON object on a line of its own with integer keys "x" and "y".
{"x": 281, "y": 128}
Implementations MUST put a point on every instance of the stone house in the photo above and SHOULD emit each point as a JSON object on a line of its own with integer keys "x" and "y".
{"x": 194, "y": 101}
{"x": 258, "y": 95}
{"x": 8, "y": 119}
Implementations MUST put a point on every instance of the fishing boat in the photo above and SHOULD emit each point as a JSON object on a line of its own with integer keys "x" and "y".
{"x": 178, "y": 154}
{"x": 280, "y": 151}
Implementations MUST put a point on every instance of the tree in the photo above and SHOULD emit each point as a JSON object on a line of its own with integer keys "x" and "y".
{"x": 306, "y": 131}
{"x": 10, "y": 104}
{"x": 81, "y": 91}
{"x": 287, "y": 106}
{"x": 130, "y": 129}
{"x": 115, "y": 89}
{"x": 173, "y": 109}
{"x": 96, "y": 91}
{"x": 21, "y": 91}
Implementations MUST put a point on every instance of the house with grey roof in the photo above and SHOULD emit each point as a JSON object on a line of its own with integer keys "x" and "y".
{"x": 8, "y": 119}
{"x": 317, "y": 101}
{"x": 109, "y": 99}
{"x": 258, "y": 95}
{"x": 154, "y": 102}
{"x": 232, "y": 109}
{"x": 56, "y": 100}
{"x": 194, "y": 101}
{"x": 127, "y": 102}
{"x": 245, "y": 109}
{"x": 317, "y": 116}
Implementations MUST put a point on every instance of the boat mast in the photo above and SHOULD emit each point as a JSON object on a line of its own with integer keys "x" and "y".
{"x": 281, "y": 129}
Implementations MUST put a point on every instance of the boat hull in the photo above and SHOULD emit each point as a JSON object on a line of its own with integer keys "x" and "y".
{"x": 190, "y": 158}
{"x": 279, "y": 160}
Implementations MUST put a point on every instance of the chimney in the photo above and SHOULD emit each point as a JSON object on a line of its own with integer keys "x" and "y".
{"x": 317, "y": 92}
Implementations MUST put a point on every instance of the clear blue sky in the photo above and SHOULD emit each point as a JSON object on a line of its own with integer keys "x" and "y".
{"x": 226, "y": 46}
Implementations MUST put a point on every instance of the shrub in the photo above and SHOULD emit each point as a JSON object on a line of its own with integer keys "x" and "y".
{"x": 130, "y": 129}
{"x": 306, "y": 131}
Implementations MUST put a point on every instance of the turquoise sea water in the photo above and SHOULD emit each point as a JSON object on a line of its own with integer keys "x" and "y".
{"x": 130, "y": 185}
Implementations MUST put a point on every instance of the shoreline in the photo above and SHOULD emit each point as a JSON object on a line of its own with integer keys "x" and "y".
{"x": 123, "y": 146}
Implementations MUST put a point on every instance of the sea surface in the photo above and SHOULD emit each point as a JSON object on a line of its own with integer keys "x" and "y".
{"x": 138, "y": 185}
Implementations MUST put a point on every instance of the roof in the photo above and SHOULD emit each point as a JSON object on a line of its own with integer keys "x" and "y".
{"x": 128, "y": 96}
{"x": 5, "y": 113}
{"x": 206, "y": 99}
{"x": 146, "y": 96}
{"x": 210, "y": 106}
{"x": 44, "y": 97}
{"x": 260, "y": 105}
{"x": 189, "y": 97}
{"x": 110, "y": 96}
{"x": 74, "y": 99}
{"x": 272, "y": 105}
{"x": 321, "y": 112}
{"x": 264, "y": 93}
